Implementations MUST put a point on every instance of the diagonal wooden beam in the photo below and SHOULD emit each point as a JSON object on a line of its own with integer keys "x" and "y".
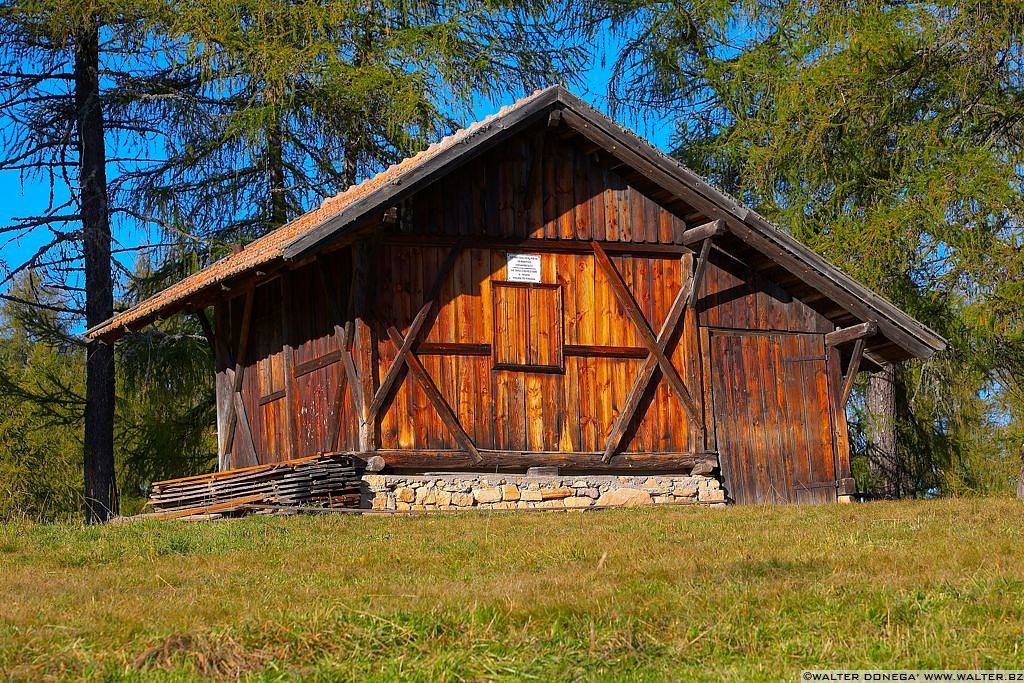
{"x": 334, "y": 424}
{"x": 436, "y": 398}
{"x": 343, "y": 333}
{"x": 398, "y": 364}
{"x": 643, "y": 380}
{"x": 237, "y": 411}
{"x": 419, "y": 323}
{"x": 851, "y": 371}
{"x": 243, "y": 425}
{"x": 698, "y": 270}
{"x": 636, "y": 316}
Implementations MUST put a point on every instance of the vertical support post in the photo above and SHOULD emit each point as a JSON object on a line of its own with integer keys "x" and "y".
{"x": 365, "y": 345}
{"x": 225, "y": 381}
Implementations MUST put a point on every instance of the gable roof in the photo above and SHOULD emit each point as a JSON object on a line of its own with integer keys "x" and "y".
{"x": 339, "y": 217}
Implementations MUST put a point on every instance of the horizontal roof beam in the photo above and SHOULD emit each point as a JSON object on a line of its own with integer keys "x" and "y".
{"x": 845, "y": 335}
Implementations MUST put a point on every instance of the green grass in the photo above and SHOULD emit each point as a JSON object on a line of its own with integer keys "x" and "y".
{"x": 646, "y": 594}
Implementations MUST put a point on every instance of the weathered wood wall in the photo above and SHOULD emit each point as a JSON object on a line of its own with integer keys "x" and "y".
{"x": 535, "y": 409}
{"x": 533, "y": 368}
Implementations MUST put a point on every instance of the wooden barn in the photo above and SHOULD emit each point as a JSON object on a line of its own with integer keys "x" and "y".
{"x": 542, "y": 288}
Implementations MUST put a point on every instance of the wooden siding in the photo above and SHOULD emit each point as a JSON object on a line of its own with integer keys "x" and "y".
{"x": 525, "y": 410}
{"x": 735, "y": 297}
{"x": 546, "y": 188}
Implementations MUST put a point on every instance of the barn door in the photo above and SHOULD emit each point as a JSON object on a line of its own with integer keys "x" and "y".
{"x": 773, "y": 423}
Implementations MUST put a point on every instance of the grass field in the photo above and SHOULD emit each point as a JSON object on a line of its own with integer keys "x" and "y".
{"x": 645, "y": 594}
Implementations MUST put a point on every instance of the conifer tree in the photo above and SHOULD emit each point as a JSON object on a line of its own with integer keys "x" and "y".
{"x": 889, "y": 136}
{"x": 73, "y": 80}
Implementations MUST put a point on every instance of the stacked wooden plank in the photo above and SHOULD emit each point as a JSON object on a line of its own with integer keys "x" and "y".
{"x": 330, "y": 480}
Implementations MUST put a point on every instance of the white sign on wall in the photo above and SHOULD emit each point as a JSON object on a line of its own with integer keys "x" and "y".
{"x": 523, "y": 268}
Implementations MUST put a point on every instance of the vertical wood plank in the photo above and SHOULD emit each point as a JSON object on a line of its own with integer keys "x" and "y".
{"x": 610, "y": 192}
{"x": 787, "y": 442}
{"x": 774, "y": 422}
{"x": 604, "y": 314}
{"x": 365, "y": 343}
{"x": 292, "y": 404}
{"x": 224, "y": 379}
{"x": 825, "y": 461}
{"x": 794, "y": 380}
{"x": 837, "y": 403}
{"x": 710, "y": 418}
{"x": 668, "y": 427}
{"x": 586, "y": 327}
{"x": 624, "y": 203}
{"x": 595, "y": 193}
{"x": 565, "y": 199}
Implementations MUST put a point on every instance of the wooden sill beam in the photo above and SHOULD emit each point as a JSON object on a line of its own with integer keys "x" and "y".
{"x": 518, "y": 461}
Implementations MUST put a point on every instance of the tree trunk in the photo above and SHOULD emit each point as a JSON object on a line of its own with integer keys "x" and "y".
{"x": 275, "y": 154}
{"x": 350, "y": 164}
{"x": 883, "y": 443}
{"x": 355, "y": 139}
{"x": 1020, "y": 479}
{"x": 100, "y": 483}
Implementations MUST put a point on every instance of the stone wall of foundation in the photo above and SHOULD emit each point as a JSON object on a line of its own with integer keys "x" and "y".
{"x": 465, "y": 490}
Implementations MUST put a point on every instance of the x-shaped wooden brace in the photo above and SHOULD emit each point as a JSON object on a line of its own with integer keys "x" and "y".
{"x": 657, "y": 346}
{"x": 433, "y": 393}
{"x": 406, "y": 357}
{"x": 237, "y": 418}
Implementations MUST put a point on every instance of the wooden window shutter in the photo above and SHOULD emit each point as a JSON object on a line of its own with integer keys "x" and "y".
{"x": 527, "y": 327}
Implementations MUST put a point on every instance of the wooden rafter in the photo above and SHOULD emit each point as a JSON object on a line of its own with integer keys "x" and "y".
{"x": 846, "y": 335}
{"x": 435, "y": 397}
{"x": 636, "y": 316}
{"x": 703, "y": 233}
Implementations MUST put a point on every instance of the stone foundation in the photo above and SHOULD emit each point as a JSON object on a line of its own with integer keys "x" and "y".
{"x": 465, "y": 490}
